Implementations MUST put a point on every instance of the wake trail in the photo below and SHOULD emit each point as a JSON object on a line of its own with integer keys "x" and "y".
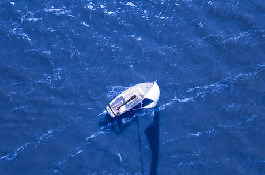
{"x": 51, "y": 133}
{"x": 195, "y": 93}
{"x": 45, "y": 137}
{"x": 199, "y": 92}
{"x": 81, "y": 147}
{"x": 32, "y": 144}
{"x": 210, "y": 89}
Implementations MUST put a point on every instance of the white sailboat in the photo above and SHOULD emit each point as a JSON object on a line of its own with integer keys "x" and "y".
{"x": 143, "y": 95}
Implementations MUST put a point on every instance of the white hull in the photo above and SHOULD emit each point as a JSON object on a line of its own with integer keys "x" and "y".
{"x": 154, "y": 95}
{"x": 134, "y": 97}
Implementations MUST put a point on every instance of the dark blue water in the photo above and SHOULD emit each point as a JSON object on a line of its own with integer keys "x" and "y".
{"x": 62, "y": 62}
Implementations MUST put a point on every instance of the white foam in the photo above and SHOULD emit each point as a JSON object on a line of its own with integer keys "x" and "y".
{"x": 119, "y": 157}
{"x": 136, "y": 38}
{"x": 102, "y": 113}
{"x": 78, "y": 152}
{"x": 47, "y": 52}
{"x": 252, "y": 118}
{"x": 91, "y": 136}
{"x": 196, "y": 134}
{"x": 187, "y": 163}
{"x": 110, "y": 13}
{"x": 184, "y": 100}
{"x": 44, "y": 136}
{"x": 200, "y": 25}
{"x": 210, "y": 3}
{"x": 32, "y": 19}
{"x": 131, "y": 4}
{"x": 52, "y": 9}
{"x": 89, "y": 6}
{"x": 58, "y": 11}
{"x": 162, "y": 107}
{"x": 9, "y": 156}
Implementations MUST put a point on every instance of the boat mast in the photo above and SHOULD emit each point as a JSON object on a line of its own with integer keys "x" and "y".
{"x": 132, "y": 97}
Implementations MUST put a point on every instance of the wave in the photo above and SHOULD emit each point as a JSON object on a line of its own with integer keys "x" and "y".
{"x": 104, "y": 130}
{"x": 213, "y": 88}
{"x": 32, "y": 144}
{"x": 195, "y": 93}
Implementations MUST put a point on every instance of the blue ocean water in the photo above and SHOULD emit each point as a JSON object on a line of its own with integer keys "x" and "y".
{"x": 62, "y": 62}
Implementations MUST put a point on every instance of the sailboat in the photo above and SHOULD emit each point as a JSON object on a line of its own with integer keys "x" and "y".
{"x": 143, "y": 95}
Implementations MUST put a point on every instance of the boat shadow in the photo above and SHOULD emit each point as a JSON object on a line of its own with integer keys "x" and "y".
{"x": 152, "y": 132}
{"x": 152, "y": 135}
{"x": 120, "y": 123}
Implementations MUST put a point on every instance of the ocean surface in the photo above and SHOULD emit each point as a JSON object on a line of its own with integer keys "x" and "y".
{"x": 62, "y": 62}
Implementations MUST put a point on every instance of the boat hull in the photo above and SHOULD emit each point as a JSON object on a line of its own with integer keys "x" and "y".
{"x": 143, "y": 95}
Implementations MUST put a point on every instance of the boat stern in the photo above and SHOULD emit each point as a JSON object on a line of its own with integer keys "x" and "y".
{"x": 110, "y": 111}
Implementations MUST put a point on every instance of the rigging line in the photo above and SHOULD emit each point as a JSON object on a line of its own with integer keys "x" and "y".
{"x": 140, "y": 147}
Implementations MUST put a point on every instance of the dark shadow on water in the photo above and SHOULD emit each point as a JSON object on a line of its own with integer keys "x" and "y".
{"x": 152, "y": 134}
{"x": 120, "y": 123}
